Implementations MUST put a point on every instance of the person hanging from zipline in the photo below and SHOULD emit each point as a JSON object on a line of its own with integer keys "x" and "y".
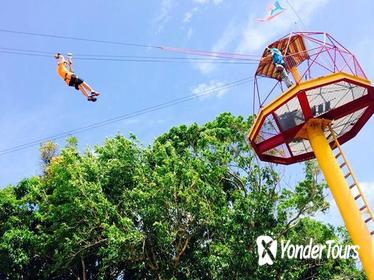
{"x": 280, "y": 65}
{"x": 65, "y": 71}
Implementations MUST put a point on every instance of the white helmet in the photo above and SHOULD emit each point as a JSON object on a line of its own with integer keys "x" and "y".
{"x": 60, "y": 58}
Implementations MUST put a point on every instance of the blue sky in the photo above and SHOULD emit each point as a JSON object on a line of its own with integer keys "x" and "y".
{"x": 35, "y": 102}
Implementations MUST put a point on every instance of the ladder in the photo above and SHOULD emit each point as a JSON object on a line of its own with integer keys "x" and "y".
{"x": 354, "y": 187}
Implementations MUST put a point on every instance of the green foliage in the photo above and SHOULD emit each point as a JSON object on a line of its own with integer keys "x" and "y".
{"x": 48, "y": 151}
{"x": 189, "y": 206}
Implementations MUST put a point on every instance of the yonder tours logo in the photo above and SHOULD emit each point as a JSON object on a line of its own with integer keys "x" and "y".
{"x": 267, "y": 249}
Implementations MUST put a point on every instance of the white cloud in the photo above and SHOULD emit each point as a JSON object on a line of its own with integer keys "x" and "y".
{"x": 188, "y": 15}
{"x": 333, "y": 215}
{"x": 164, "y": 15}
{"x": 189, "y": 33}
{"x": 365, "y": 57}
{"x": 204, "y": 67}
{"x": 229, "y": 35}
{"x": 251, "y": 36}
{"x": 213, "y": 88}
{"x": 368, "y": 190}
{"x": 204, "y": 2}
{"x": 255, "y": 35}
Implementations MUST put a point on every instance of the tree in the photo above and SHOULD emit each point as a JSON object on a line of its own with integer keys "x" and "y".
{"x": 48, "y": 151}
{"x": 189, "y": 206}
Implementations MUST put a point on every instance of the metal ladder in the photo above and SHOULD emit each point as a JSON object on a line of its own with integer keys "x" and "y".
{"x": 354, "y": 187}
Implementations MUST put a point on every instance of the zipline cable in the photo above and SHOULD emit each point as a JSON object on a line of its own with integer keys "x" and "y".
{"x": 79, "y": 39}
{"x": 143, "y": 111}
{"x": 209, "y": 53}
{"x": 141, "y": 59}
{"x": 128, "y": 44}
{"x": 167, "y": 60}
{"x": 127, "y": 56}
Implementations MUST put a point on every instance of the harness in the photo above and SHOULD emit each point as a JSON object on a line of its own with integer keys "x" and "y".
{"x": 66, "y": 77}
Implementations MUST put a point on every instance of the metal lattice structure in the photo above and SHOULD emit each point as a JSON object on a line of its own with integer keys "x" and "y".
{"x": 329, "y": 83}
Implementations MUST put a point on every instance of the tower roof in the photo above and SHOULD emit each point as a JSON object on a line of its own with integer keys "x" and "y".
{"x": 293, "y": 49}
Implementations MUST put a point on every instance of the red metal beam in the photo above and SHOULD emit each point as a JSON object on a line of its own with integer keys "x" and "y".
{"x": 358, "y": 126}
{"x": 283, "y": 137}
{"x": 287, "y": 161}
{"x": 278, "y": 139}
{"x": 349, "y": 108}
{"x": 303, "y": 99}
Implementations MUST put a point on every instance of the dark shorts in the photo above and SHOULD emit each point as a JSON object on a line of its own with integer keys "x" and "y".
{"x": 75, "y": 81}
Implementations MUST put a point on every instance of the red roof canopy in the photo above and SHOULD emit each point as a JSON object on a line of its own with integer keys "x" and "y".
{"x": 294, "y": 51}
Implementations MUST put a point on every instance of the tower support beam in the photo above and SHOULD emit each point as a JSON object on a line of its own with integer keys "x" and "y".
{"x": 340, "y": 191}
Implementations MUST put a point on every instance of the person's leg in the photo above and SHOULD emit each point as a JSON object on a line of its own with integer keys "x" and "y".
{"x": 86, "y": 93}
{"x": 89, "y": 89}
{"x": 286, "y": 78}
{"x": 83, "y": 90}
{"x": 86, "y": 86}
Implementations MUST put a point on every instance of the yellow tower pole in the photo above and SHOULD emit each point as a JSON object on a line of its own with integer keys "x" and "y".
{"x": 341, "y": 193}
{"x": 295, "y": 74}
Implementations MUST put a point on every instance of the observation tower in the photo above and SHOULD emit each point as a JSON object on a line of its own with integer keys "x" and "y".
{"x": 330, "y": 100}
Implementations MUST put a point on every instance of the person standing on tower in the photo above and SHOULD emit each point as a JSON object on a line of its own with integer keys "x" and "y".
{"x": 280, "y": 65}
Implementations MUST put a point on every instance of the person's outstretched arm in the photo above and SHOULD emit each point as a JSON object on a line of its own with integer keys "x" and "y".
{"x": 70, "y": 65}
{"x": 70, "y": 62}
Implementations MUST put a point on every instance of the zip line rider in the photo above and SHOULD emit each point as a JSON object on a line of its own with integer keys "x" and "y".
{"x": 65, "y": 71}
{"x": 280, "y": 65}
